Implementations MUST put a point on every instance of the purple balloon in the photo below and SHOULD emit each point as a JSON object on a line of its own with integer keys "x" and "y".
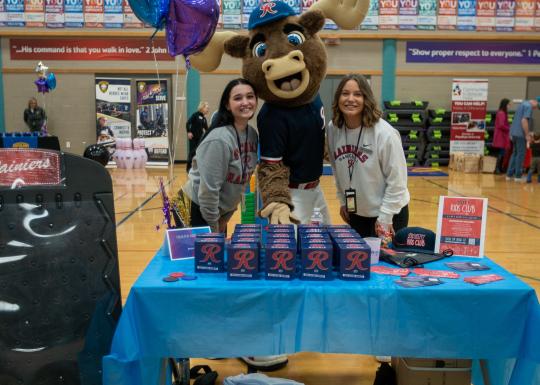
{"x": 42, "y": 85}
{"x": 190, "y": 25}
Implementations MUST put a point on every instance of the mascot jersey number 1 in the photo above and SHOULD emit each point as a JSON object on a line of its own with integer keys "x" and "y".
{"x": 285, "y": 60}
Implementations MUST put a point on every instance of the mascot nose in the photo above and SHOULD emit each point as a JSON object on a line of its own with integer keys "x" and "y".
{"x": 293, "y": 56}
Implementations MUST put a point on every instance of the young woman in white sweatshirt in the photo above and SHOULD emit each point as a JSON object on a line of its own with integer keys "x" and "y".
{"x": 368, "y": 162}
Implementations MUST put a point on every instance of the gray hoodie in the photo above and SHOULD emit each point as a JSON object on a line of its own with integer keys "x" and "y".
{"x": 215, "y": 180}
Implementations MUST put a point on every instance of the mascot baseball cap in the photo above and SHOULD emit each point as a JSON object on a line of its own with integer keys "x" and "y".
{"x": 414, "y": 240}
{"x": 269, "y": 11}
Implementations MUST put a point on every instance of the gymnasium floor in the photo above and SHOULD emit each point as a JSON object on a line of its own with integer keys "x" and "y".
{"x": 513, "y": 230}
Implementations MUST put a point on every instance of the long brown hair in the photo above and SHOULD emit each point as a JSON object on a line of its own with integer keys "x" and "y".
{"x": 370, "y": 114}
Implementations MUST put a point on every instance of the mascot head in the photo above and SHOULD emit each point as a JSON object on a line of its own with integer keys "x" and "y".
{"x": 283, "y": 57}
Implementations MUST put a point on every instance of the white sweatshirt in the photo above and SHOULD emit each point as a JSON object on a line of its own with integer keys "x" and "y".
{"x": 379, "y": 173}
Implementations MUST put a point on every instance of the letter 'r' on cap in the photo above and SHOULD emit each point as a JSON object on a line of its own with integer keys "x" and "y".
{"x": 269, "y": 11}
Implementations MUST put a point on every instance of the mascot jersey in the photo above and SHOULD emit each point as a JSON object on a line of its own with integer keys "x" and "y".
{"x": 295, "y": 136}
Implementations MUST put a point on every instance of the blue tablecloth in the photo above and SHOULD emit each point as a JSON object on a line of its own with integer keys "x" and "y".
{"x": 213, "y": 317}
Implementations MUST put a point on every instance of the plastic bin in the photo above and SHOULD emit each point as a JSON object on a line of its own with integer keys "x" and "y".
{"x": 422, "y": 371}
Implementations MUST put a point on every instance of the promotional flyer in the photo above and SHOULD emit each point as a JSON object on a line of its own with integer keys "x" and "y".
{"x": 525, "y": 15}
{"x": 153, "y": 120}
{"x": 466, "y": 15}
{"x": 388, "y": 14}
{"x": 468, "y": 120}
{"x": 73, "y": 13}
{"x": 408, "y": 14}
{"x": 232, "y": 14}
{"x": 504, "y": 15}
{"x": 130, "y": 20}
{"x": 15, "y": 13}
{"x": 371, "y": 21}
{"x": 113, "y": 111}
{"x": 461, "y": 226}
{"x": 427, "y": 15}
{"x": 34, "y": 13}
{"x": 93, "y": 13}
{"x": 113, "y": 16}
{"x": 54, "y": 13}
{"x": 447, "y": 15}
{"x": 485, "y": 15}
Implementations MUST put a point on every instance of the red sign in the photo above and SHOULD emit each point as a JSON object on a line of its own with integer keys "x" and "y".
{"x": 29, "y": 167}
{"x": 461, "y": 226}
{"x": 88, "y": 49}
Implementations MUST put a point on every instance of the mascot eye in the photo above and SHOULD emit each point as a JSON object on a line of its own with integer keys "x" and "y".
{"x": 259, "y": 49}
{"x": 296, "y": 38}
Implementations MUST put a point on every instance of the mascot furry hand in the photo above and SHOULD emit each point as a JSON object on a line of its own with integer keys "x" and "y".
{"x": 284, "y": 58}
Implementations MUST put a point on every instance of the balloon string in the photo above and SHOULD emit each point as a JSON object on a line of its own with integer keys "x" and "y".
{"x": 155, "y": 62}
{"x": 177, "y": 118}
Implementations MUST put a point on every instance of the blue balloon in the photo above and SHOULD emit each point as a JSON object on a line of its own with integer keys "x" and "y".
{"x": 153, "y": 12}
{"x": 51, "y": 81}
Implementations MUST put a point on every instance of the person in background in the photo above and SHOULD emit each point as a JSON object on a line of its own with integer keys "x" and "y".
{"x": 534, "y": 142}
{"x": 225, "y": 159}
{"x": 501, "y": 137}
{"x": 368, "y": 162}
{"x": 34, "y": 116}
{"x": 519, "y": 131}
{"x": 196, "y": 126}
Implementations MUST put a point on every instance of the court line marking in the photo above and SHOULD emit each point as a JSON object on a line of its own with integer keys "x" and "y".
{"x": 144, "y": 203}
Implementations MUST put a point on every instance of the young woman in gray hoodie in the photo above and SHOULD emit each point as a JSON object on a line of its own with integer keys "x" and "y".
{"x": 225, "y": 159}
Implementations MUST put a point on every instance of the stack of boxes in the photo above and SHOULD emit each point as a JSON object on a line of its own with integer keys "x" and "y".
{"x": 438, "y": 138}
{"x": 409, "y": 119}
{"x": 313, "y": 253}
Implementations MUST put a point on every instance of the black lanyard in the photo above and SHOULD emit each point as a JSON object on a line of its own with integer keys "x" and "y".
{"x": 351, "y": 166}
{"x": 243, "y": 157}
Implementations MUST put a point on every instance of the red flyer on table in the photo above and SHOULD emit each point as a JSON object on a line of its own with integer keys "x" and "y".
{"x": 461, "y": 226}
{"x": 482, "y": 279}
{"x": 435, "y": 273}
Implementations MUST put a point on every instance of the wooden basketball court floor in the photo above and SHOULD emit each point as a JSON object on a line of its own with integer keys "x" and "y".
{"x": 512, "y": 236}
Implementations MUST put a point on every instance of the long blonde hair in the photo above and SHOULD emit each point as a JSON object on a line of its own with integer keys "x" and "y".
{"x": 370, "y": 114}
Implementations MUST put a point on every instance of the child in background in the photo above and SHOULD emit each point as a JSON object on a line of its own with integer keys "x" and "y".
{"x": 534, "y": 143}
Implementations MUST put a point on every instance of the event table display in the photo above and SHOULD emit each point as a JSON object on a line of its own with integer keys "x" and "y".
{"x": 212, "y": 316}
{"x": 29, "y": 140}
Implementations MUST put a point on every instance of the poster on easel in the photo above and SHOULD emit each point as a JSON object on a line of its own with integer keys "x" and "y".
{"x": 34, "y": 13}
{"x": 485, "y": 15}
{"x": 427, "y": 15}
{"x": 113, "y": 112}
{"x": 461, "y": 226}
{"x": 505, "y": 15}
{"x": 468, "y": 118}
{"x": 153, "y": 120}
{"x": 525, "y": 10}
{"x": 54, "y": 13}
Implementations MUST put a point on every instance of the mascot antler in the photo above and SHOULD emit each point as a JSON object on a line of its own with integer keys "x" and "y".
{"x": 347, "y": 14}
